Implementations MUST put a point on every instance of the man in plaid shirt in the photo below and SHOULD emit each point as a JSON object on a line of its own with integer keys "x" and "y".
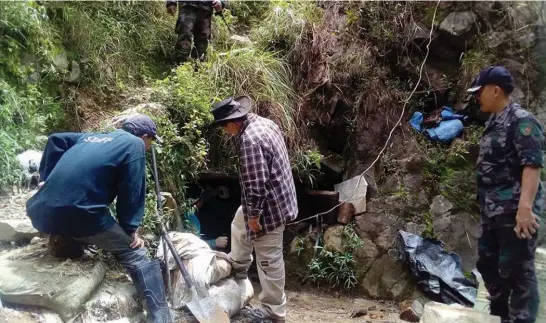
{"x": 268, "y": 201}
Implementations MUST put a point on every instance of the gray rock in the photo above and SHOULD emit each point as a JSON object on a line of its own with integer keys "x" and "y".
{"x": 459, "y": 233}
{"x": 17, "y": 230}
{"x": 364, "y": 257}
{"x": 440, "y": 206}
{"x": 61, "y": 62}
{"x": 333, "y": 239}
{"x": 386, "y": 239}
{"x": 387, "y": 279}
{"x": 416, "y": 229}
{"x": 413, "y": 182}
{"x": 75, "y": 72}
{"x": 418, "y": 308}
{"x": 113, "y": 300}
{"x": 32, "y": 276}
{"x": 458, "y": 23}
{"x": 242, "y": 40}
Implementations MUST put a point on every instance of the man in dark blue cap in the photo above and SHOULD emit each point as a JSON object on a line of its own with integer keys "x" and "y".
{"x": 82, "y": 174}
{"x": 511, "y": 198}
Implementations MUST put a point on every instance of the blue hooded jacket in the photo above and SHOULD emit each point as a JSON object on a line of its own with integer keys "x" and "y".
{"x": 83, "y": 174}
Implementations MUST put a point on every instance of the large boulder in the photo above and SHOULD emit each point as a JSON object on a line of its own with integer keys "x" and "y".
{"x": 17, "y": 230}
{"x": 364, "y": 257}
{"x": 388, "y": 279}
{"x": 458, "y": 232}
{"x": 31, "y": 276}
{"x": 459, "y": 23}
{"x": 438, "y": 312}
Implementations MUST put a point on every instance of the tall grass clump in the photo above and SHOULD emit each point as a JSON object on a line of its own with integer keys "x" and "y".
{"x": 120, "y": 43}
{"x": 284, "y": 25}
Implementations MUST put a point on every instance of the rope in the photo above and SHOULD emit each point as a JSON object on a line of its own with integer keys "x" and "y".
{"x": 392, "y": 130}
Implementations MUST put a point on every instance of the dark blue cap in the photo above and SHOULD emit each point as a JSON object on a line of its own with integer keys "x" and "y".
{"x": 495, "y": 75}
{"x": 140, "y": 125}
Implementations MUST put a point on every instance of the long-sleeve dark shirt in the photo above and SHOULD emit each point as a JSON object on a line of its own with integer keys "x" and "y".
{"x": 83, "y": 174}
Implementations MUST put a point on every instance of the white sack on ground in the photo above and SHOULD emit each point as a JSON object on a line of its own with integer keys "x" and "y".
{"x": 437, "y": 312}
{"x": 207, "y": 268}
{"x": 30, "y": 276}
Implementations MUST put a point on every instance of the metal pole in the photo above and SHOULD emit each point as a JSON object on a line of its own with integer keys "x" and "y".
{"x": 160, "y": 212}
{"x": 164, "y": 233}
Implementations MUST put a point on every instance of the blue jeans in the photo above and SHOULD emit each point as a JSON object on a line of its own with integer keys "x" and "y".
{"x": 146, "y": 274}
{"x": 116, "y": 241}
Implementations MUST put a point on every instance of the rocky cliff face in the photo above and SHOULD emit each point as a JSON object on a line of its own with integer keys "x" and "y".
{"x": 353, "y": 101}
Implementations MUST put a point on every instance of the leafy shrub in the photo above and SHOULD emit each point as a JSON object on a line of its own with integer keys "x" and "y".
{"x": 337, "y": 268}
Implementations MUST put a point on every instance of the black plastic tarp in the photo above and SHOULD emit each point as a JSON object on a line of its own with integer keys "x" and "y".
{"x": 439, "y": 272}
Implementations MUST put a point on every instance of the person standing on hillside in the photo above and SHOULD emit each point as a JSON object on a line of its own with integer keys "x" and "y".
{"x": 81, "y": 174}
{"x": 511, "y": 198}
{"x": 194, "y": 22}
{"x": 268, "y": 202}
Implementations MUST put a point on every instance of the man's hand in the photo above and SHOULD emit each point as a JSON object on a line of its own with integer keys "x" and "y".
{"x": 137, "y": 242}
{"x": 217, "y": 5}
{"x": 221, "y": 242}
{"x": 171, "y": 9}
{"x": 526, "y": 224}
{"x": 254, "y": 224}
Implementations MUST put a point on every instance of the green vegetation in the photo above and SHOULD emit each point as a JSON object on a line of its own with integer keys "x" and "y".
{"x": 450, "y": 170}
{"x": 120, "y": 43}
{"x": 336, "y": 268}
{"x": 27, "y": 106}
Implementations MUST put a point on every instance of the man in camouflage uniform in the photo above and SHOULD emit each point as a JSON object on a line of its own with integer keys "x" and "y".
{"x": 511, "y": 198}
{"x": 194, "y": 21}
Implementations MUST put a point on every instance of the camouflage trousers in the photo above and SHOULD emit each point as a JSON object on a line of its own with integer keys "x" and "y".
{"x": 194, "y": 23}
{"x": 508, "y": 269}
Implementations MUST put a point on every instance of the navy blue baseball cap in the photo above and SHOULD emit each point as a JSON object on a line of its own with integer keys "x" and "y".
{"x": 140, "y": 125}
{"x": 496, "y": 75}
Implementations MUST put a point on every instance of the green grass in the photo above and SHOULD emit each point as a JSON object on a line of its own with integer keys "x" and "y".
{"x": 120, "y": 43}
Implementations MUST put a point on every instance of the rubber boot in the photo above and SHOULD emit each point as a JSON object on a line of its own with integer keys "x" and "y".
{"x": 149, "y": 285}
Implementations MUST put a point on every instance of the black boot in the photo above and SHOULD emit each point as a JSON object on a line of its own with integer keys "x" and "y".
{"x": 149, "y": 285}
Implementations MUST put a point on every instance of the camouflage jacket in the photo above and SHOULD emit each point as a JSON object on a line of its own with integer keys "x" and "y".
{"x": 205, "y": 4}
{"x": 511, "y": 140}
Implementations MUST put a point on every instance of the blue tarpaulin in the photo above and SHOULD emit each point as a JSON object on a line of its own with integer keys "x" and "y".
{"x": 448, "y": 129}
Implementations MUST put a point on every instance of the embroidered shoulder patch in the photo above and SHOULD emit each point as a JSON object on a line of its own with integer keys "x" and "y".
{"x": 526, "y": 128}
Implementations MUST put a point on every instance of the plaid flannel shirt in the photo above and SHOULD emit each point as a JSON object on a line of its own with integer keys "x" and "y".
{"x": 267, "y": 184}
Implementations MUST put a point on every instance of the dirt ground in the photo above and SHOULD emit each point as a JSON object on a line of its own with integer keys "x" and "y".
{"x": 312, "y": 307}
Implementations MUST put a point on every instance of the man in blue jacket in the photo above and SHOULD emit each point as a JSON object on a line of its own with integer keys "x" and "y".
{"x": 82, "y": 174}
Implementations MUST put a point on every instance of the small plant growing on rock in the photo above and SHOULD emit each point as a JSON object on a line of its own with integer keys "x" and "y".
{"x": 337, "y": 268}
